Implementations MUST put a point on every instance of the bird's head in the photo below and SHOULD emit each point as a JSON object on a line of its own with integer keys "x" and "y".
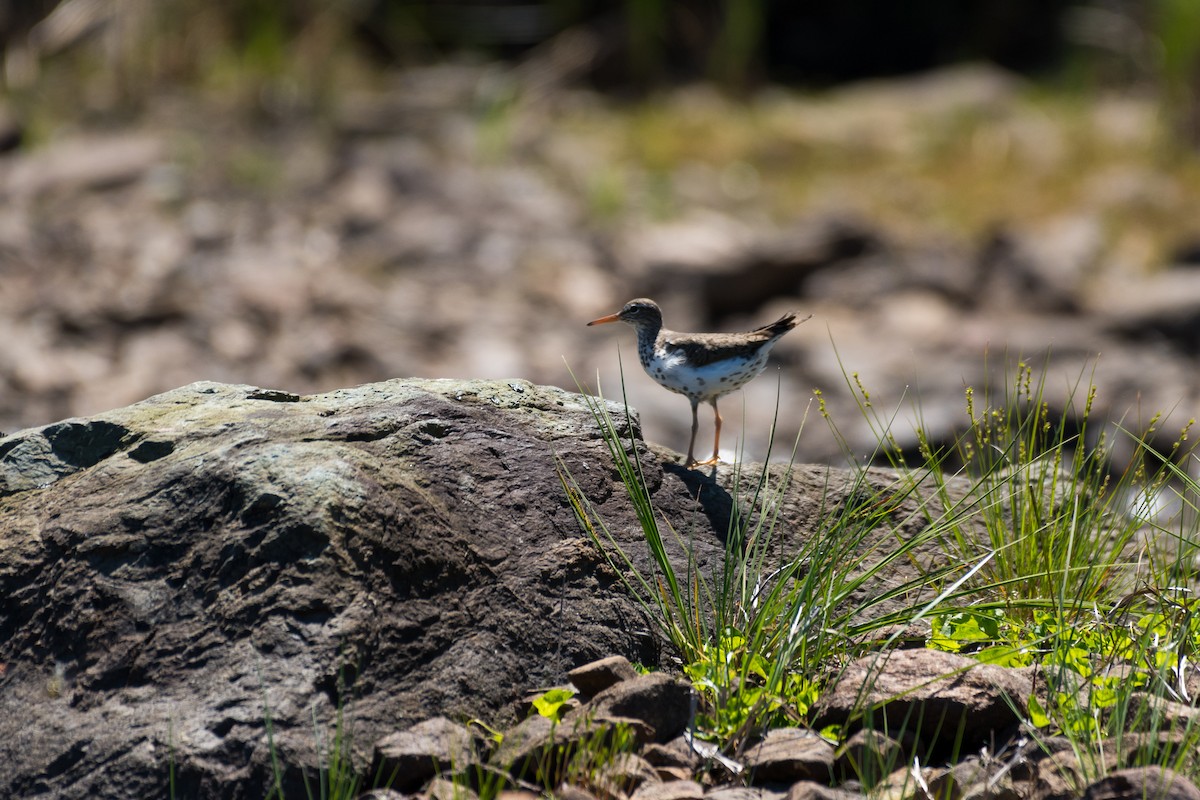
{"x": 640, "y": 313}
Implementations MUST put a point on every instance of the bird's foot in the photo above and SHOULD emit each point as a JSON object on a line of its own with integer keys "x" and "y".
{"x": 693, "y": 463}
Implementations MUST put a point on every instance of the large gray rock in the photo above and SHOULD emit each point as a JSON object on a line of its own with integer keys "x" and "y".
{"x": 178, "y": 573}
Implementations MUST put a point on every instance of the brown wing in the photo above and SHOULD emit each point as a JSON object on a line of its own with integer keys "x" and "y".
{"x": 705, "y": 348}
{"x": 700, "y": 353}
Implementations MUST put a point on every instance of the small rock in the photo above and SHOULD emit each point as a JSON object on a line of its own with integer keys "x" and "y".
{"x": 417, "y": 754}
{"x": 703, "y": 242}
{"x": 970, "y": 776}
{"x": 744, "y": 793}
{"x": 1012, "y": 275}
{"x": 656, "y": 699}
{"x": 674, "y": 773}
{"x": 904, "y": 784}
{"x": 1156, "y": 747}
{"x": 675, "y": 753}
{"x": 523, "y": 751}
{"x": 522, "y": 743}
{"x": 813, "y": 790}
{"x": 669, "y": 790}
{"x": 1146, "y": 710}
{"x": 592, "y": 678}
{"x": 869, "y": 755}
{"x": 93, "y": 162}
{"x": 626, "y": 773}
{"x": 1139, "y": 783}
{"x": 926, "y": 692}
{"x": 568, "y": 792}
{"x": 363, "y": 196}
{"x": 789, "y": 755}
{"x": 443, "y": 789}
{"x": 785, "y": 260}
{"x": 1056, "y": 775}
{"x": 941, "y": 782}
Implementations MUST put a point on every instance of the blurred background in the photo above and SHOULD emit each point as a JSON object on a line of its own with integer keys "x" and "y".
{"x": 311, "y": 194}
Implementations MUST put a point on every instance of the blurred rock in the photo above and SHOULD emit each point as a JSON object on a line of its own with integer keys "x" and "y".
{"x": 437, "y": 228}
{"x": 730, "y": 270}
{"x": 12, "y": 132}
{"x": 1013, "y": 275}
{"x": 88, "y": 162}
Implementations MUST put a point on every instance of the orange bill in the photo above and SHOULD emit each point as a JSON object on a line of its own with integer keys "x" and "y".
{"x": 609, "y": 318}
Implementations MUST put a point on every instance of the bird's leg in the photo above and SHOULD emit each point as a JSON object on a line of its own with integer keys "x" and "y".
{"x": 716, "y": 436}
{"x": 691, "y": 459}
{"x": 716, "y": 430}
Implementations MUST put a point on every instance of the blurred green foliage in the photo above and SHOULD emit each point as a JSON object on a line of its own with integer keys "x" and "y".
{"x": 644, "y": 42}
{"x": 1177, "y": 31}
{"x": 282, "y": 57}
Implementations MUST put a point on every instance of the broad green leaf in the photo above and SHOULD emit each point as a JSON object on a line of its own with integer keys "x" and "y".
{"x": 1037, "y": 714}
{"x": 552, "y": 703}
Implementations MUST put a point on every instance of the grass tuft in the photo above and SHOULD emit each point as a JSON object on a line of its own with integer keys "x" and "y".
{"x": 1025, "y": 545}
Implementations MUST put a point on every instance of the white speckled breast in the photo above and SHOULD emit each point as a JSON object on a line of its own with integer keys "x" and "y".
{"x": 672, "y": 371}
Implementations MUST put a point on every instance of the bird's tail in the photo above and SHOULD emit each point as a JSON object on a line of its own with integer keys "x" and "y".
{"x": 782, "y": 325}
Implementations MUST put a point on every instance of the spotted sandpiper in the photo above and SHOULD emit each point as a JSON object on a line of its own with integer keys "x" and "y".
{"x": 700, "y": 366}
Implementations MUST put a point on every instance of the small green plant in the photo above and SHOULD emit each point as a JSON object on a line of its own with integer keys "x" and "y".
{"x": 1106, "y": 673}
{"x": 553, "y": 703}
{"x": 733, "y": 706}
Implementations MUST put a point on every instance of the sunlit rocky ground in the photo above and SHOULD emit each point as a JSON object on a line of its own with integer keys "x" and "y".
{"x": 467, "y": 220}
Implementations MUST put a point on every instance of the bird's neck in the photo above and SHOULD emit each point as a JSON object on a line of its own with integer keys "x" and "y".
{"x": 647, "y": 336}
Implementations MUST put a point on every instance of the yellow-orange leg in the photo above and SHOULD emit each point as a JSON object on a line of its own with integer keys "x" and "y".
{"x": 717, "y": 431}
{"x": 691, "y": 459}
{"x": 716, "y": 436}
